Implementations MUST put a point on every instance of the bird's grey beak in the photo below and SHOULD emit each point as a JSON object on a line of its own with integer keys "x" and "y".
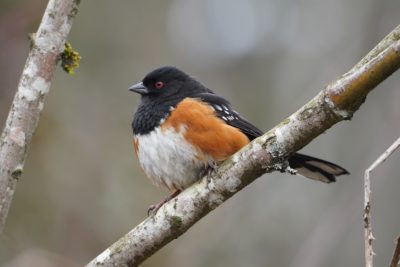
{"x": 139, "y": 88}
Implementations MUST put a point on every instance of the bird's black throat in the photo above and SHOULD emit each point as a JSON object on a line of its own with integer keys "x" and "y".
{"x": 150, "y": 113}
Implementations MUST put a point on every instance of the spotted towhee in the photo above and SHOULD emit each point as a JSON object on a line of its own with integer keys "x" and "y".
{"x": 181, "y": 128}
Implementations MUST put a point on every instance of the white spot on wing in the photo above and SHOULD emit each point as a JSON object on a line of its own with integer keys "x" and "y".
{"x": 218, "y": 107}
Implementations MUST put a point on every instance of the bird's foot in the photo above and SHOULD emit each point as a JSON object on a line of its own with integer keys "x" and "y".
{"x": 155, "y": 207}
{"x": 211, "y": 167}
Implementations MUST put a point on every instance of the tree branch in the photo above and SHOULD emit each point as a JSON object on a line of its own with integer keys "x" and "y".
{"x": 368, "y": 236}
{"x": 396, "y": 254}
{"x": 32, "y": 90}
{"x": 338, "y": 101}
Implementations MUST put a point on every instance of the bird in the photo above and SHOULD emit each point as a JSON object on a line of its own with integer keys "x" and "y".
{"x": 182, "y": 129}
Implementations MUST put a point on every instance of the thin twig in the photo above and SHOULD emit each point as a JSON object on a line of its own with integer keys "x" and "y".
{"x": 337, "y": 102}
{"x": 368, "y": 236}
{"x": 32, "y": 90}
{"x": 396, "y": 254}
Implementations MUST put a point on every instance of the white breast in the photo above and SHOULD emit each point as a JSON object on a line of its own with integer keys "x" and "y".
{"x": 168, "y": 159}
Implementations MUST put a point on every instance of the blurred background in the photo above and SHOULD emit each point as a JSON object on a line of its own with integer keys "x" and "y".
{"x": 82, "y": 188}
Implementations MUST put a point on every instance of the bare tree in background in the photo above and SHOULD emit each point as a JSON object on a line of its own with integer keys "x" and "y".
{"x": 34, "y": 85}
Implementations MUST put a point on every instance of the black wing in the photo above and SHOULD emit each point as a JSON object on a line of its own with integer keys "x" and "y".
{"x": 225, "y": 112}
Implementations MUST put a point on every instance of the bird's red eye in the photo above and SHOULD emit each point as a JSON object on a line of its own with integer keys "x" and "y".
{"x": 159, "y": 84}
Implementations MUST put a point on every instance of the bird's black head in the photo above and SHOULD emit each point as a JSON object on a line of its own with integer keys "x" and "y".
{"x": 161, "y": 90}
{"x": 166, "y": 82}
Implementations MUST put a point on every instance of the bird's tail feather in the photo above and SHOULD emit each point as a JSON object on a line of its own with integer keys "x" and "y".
{"x": 316, "y": 169}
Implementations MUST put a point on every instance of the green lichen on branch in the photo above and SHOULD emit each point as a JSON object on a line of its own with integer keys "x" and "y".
{"x": 31, "y": 39}
{"x": 69, "y": 59}
{"x": 175, "y": 223}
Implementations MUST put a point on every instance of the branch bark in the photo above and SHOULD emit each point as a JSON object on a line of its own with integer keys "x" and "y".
{"x": 337, "y": 102}
{"x": 368, "y": 236}
{"x": 396, "y": 254}
{"x": 32, "y": 90}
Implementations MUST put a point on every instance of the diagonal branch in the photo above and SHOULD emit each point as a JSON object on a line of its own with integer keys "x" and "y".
{"x": 32, "y": 90}
{"x": 337, "y": 102}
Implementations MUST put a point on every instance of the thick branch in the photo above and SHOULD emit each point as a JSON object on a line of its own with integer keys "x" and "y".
{"x": 32, "y": 90}
{"x": 337, "y": 102}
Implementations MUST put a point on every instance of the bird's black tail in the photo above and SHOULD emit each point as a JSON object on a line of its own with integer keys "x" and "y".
{"x": 316, "y": 169}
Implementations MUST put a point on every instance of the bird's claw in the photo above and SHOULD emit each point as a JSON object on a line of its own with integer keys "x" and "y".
{"x": 155, "y": 207}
